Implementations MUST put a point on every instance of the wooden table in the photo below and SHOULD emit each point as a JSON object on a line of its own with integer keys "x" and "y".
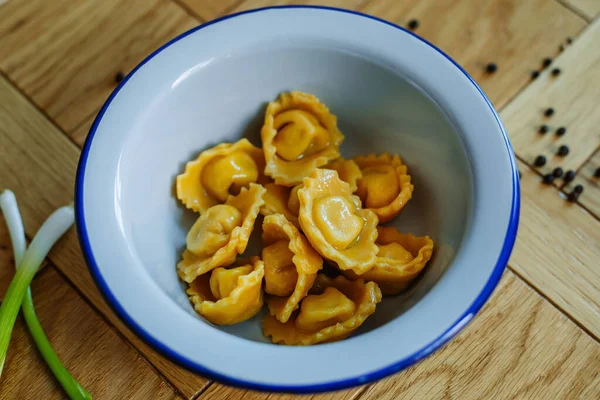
{"x": 537, "y": 338}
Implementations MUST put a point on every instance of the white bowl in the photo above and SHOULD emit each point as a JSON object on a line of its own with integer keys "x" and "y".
{"x": 391, "y": 91}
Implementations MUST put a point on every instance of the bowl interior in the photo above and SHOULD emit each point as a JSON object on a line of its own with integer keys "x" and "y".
{"x": 378, "y": 110}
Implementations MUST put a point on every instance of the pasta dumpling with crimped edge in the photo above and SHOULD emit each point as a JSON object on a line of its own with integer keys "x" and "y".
{"x": 385, "y": 185}
{"x": 218, "y": 173}
{"x": 333, "y": 310}
{"x": 282, "y": 200}
{"x": 401, "y": 258}
{"x": 227, "y": 296}
{"x": 299, "y": 135}
{"x": 291, "y": 265}
{"x": 347, "y": 170}
{"x": 335, "y": 224}
{"x": 221, "y": 233}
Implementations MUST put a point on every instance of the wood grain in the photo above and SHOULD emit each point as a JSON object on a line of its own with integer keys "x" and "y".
{"x": 349, "y": 4}
{"x": 210, "y": 9}
{"x": 40, "y": 169}
{"x": 519, "y": 347}
{"x": 221, "y": 392}
{"x": 64, "y": 54}
{"x": 590, "y": 198}
{"x": 79, "y": 134}
{"x": 92, "y": 352}
{"x": 589, "y": 8}
{"x": 574, "y": 95}
{"x": 558, "y": 250}
{"x": 514, "y": 34}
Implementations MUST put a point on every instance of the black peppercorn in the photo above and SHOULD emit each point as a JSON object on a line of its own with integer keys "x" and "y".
{"x": 569, "y": 176}
{"x": 546, "y": 62}
{"x": 535, "y": 74}
{"x": 556, "y": 72}
{"x": 491, "y": 68}
{"x": 597, "y": 172}
{"x": 549, "y": 112}
{"x": 563, "y": 150}
{"x": 557, "y": 172}
{"x": 573, "y": 196}
{"x": 413, "y": 24}
{"x": 119, "y": 77}
{"x": 548, "y": 179}
{"x": 561, "y": 131}
{"x": 520, "y": 174}
{"x": 569, "y": 40}
{"x": 543, "y": 129}
{"x": 561, "y": 48}
{"x": 540, "y": 161}
{"x": 578, "y": 189}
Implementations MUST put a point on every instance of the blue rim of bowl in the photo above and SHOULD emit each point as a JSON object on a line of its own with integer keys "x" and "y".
{"x": 383, "y": 372}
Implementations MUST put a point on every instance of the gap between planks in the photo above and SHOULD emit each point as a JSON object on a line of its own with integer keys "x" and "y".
{"x": 16, "y": 87}
{"x": 574, "y": 10}
{"x": 189, "y": 11}
{"x": 195, "y": 15}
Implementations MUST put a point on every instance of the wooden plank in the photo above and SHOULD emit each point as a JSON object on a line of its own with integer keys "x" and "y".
{"x": 514, "y": 34}
{"x": 92, "y": 352}
{"x": 558, "y": 250}
{"x": 590, "y": 198}
{"x": 221, "y": 392}
{"x": 574, "y": 96}
{"x": 40, "y": 169}
{"x": 349, "y": 4}
{"x": 210, "y": 9}
{"x": 64, "y": 54}
{"x": 589, "y": 8}
{"x": 519, "y": 347}
{"x": 80, "y": 133}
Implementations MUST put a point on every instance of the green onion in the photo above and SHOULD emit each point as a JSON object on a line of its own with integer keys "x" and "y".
{"x": 29, "y": 263}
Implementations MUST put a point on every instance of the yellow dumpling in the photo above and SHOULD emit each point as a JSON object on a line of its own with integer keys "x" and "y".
{"x": 347, "y": 170}
{"x": 282, "y": 200}
{"x": 401, "y": 259}
{"x": 333, "y": 311}
{"x": 299, "y": 135}
{"x": 227, "y": 296}
{"x": 385, "y": 185}
{"x": 291, "y": 265}
{"x": 221, "y": 233}
{"x": 335, "y": 223}
{"x": 219, "y": 172}
{"x": 322, "y": 310}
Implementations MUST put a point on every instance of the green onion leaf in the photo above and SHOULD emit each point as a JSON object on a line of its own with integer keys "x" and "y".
{"x": 51, "y": 231}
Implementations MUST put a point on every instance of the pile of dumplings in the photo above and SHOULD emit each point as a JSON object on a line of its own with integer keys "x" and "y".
{"x": 312, "y": 206}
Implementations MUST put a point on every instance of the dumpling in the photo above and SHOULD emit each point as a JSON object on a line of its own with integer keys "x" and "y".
{"x": 299, "y": 135}
{"x": 219, "y": 172}
{"x": 335, "y": 224}
{"x": 347, "y": 170}
{"x": 333, "y": 311}
{"x": 221, "y": 233}
{"x": 282, "y": 200}
{"x": 385, "y": 185}
{"x": 401, "y": 258}
{"x": 291, "y": 265}
{"x": 227, "y": 296}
